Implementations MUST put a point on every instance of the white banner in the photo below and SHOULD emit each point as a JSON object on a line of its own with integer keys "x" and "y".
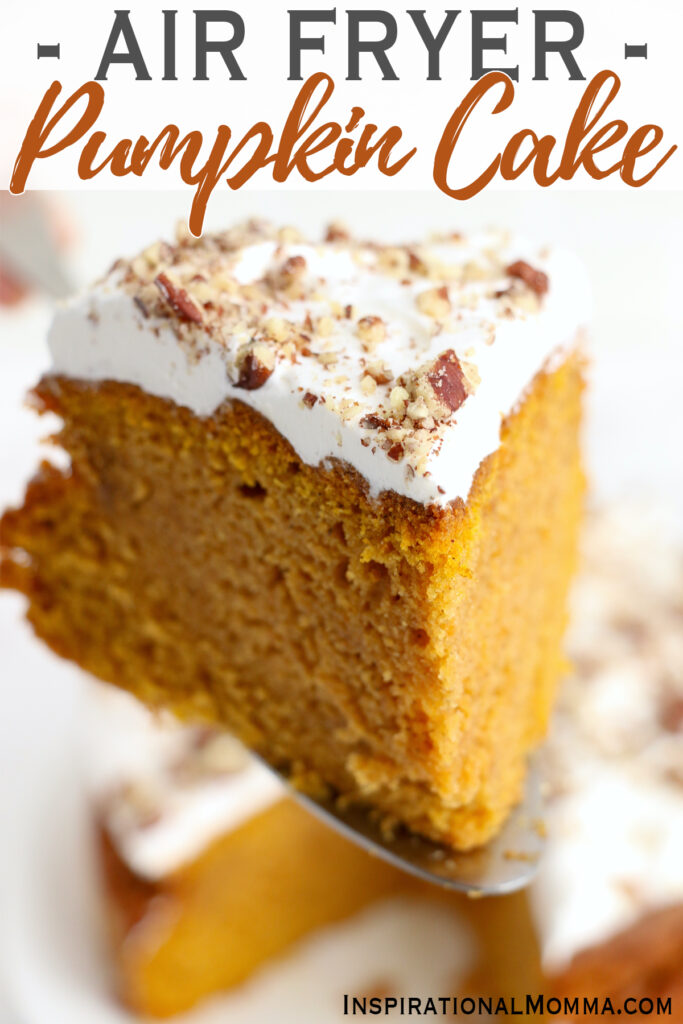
{"x": 557, "y": 125}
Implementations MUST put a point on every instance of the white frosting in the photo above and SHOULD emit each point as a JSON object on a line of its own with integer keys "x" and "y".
{"x": 615, "y": 767}
{"x": 104, "y": 335}
{"x": 162, "y": 793}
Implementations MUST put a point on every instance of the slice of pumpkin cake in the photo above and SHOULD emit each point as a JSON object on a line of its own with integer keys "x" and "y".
{"x": 326, "y": 495}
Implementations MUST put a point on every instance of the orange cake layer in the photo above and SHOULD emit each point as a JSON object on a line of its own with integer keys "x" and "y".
{"x": 399, "y": 653}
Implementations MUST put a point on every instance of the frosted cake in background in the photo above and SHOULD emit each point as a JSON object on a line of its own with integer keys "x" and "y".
{"x": 608, "y": 899}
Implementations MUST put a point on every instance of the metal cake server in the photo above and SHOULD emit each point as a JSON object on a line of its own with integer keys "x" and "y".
{"x": 504, "y": 865}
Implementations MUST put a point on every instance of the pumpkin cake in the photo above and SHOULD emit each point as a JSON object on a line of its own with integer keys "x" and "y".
{"x": 327, "y": 496}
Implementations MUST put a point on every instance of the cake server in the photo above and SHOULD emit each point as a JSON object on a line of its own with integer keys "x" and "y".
{"x": 504, "y": 865}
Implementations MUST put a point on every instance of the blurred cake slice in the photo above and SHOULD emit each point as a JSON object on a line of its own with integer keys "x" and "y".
{"x": 608, "y": 899}
{"x": 212, "y": 877}
{"x": 327, "y": 496}
{"x": 209, "y": 871}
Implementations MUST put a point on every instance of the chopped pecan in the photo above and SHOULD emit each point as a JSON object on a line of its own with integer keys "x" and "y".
{"x": 435, "y": 302}
{"x": 416, "y": 263}
{"x": 289, "y": 277}
{"x": 180, "y": 302}
{"x": 448, "y": 380}
{"x": 309, "y": 399}
{"x": 337, "y": 232}
{"x": 380, "y": 373}
{"x": 294, "y": 266}
{"x": 371, "y": 330}
{"x": 253, "y": 373}
{"x": 532, "y": 278}
{"x": 371, "y": 422}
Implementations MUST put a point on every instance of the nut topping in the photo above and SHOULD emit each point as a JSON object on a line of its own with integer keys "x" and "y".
{"x": 255, "y": 367}
{"x": 532, "y": 278}
{"x": 289, "y": 277}
{"x": 371, "y": 331}
{"x": 448, "y": 380}
{"x": 337, "y": 232}
{"x": 395, "y": 378}
{"x": 180, "y": 302}
{"x": 371, "y": 422}
{"x": 435, "y": 302}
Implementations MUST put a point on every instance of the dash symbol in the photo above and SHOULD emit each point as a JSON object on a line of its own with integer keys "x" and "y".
{"x": 631, "y": 50}
{"x": 48, "y": 50}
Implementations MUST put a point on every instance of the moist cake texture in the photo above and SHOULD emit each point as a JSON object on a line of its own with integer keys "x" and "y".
{"x": 326, "y": 496}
